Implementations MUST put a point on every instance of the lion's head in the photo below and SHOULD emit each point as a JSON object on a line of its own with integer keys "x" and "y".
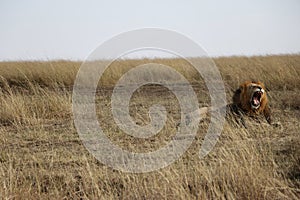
{"x": 251, "y": 97}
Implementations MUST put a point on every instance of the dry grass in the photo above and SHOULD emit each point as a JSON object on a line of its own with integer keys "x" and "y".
{"x": 42, "y": 156}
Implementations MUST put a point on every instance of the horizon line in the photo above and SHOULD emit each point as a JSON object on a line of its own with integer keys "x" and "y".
{"x": 146, "y": 57}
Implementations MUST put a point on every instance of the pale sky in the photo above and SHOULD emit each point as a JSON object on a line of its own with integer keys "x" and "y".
{"x": 71, "y": 29}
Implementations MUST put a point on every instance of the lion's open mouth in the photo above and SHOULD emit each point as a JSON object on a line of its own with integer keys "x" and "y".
{"x": 256, "y": 98}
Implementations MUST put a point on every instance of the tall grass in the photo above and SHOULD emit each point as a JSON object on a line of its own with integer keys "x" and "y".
{"x": 41, "y": 154}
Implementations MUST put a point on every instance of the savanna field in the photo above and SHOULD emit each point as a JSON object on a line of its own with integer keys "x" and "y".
{"x": 42, "y": 156}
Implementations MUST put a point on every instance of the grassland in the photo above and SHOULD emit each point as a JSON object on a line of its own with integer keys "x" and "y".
{"x": 42, "y": 156}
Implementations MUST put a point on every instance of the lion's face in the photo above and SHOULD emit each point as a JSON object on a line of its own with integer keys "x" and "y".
{"x": 253, "y": 96}
{"x": 256, "y": 92}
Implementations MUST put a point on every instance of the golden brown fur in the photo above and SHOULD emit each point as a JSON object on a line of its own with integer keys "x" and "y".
{"x": 243, "y": 100}
{"x": 249, "y": 99}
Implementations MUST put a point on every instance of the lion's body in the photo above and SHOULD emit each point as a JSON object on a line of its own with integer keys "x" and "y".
{"x": 249, "y": 99}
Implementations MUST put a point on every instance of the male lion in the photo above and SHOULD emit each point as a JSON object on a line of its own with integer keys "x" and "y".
{"x": 249, "y": 99}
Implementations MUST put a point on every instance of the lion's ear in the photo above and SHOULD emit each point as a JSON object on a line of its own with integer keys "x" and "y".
{"x": 241, "y": 88}
{"x": 236, "y": 96}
